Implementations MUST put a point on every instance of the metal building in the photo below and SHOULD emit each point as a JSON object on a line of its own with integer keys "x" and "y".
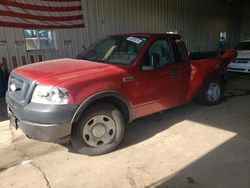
{"x": 199, "y": 22}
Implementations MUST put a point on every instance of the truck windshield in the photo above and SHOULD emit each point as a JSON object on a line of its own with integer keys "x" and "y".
{"x": 115, "y": 50}
{"x": 243, "y": 46}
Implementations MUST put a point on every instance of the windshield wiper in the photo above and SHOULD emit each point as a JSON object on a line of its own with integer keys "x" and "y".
{"x": 100, "y": 60}
{"x": 93, "y": 59}
{"x": 118, "y": 63}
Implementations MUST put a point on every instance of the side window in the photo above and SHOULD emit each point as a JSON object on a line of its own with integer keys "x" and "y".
{"x": 160, "y": 47}
{"x": 178, "y": 50}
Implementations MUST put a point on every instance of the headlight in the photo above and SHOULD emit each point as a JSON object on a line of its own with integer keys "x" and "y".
{"x": 49, "y": 95}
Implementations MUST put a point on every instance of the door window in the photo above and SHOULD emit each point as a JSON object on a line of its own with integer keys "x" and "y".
{"x": 178, "y": 50}
{"x": 161, "y": 47}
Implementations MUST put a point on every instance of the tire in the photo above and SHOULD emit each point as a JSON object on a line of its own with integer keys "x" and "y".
{"x": 212, "y": 94}
{"x": 99, "y": 130}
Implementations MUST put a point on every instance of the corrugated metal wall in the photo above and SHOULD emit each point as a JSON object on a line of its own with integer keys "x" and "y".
{"x": 245, "y": 22}
{"x": 68, "y": 41}
{"x": 200, "y": 23}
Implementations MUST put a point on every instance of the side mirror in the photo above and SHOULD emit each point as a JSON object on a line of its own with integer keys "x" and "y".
{"x": 147, "y": 68}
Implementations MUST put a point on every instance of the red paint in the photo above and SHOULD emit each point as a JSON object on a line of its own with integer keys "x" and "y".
{"x": 40, "y": 8}
{"x": 40, "y": 17}
{"x": 149, "y": 92}
{"x": 204, "y": 69}
{"x": 48, "y": 16}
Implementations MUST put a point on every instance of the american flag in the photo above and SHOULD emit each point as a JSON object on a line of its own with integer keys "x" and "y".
{"x": 41, "y": 14}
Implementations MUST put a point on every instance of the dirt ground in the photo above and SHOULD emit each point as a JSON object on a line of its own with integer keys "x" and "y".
{"x": 190, "y": 146}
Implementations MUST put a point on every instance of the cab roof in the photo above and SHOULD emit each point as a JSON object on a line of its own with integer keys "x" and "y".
{"x": 148, "y": 34}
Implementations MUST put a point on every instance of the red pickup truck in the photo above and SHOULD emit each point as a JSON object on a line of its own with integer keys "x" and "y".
{"x": 88, "y": 100}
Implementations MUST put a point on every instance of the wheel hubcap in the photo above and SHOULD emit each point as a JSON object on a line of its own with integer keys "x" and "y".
{"x": 213, "y": 92}
{"x": 99, "y": 131}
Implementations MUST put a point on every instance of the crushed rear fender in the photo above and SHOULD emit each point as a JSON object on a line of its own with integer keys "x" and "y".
{"x": 202, "y": 71}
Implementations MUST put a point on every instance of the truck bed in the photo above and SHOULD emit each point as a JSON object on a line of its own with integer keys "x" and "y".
{"x": 203, "y": 55}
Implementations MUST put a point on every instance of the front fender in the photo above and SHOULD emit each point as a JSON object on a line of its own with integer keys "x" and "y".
{"x": 90, "y": 100}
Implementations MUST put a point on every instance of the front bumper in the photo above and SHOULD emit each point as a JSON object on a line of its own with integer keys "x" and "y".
{"x": 239, "y": 67}
{"x": 42, "y": 122}
{"x": 43, "y": 132}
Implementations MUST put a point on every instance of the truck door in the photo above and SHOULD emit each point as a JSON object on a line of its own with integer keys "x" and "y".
{"x": 156, "y": 87}
{"x": 182, "y": 60}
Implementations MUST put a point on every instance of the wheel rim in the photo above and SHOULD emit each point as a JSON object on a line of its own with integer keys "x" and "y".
{"x": 99, "y": 131}
{"x": 213, "y": 92}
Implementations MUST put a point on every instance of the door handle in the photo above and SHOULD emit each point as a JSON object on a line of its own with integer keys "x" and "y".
{"x": 174, "y": 73}
{"x": 128, "y": 78}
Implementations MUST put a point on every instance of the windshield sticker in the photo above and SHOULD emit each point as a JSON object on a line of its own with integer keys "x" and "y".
{"x": 134, "y": 39}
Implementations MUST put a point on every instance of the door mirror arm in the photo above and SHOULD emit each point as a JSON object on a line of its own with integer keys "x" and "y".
{"x": 154, "y": 63}
{"x": 155, "y": 60}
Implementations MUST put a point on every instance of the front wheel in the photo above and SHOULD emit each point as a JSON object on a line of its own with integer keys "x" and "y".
{"x": 99, "y": 130}
{"x": 212, "y": 94}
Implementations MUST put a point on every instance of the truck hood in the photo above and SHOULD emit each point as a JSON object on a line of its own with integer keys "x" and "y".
{"x": 62, "y": 70}
{"x": 243, "y": 54}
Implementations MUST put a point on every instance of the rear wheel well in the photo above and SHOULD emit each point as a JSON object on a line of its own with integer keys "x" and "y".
{"x": 203, "y": 96}
{"x": 214, "y": 76}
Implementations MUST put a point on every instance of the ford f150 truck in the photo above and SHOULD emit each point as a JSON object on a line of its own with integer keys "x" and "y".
{"x": 90, "y": 99}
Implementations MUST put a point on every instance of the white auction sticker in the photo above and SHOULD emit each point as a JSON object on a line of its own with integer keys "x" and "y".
{"x": 134, "y": 39}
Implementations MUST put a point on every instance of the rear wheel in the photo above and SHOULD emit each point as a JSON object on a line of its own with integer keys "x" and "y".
{"x": 99, "y": 130}
{"x": 212, "y": 94}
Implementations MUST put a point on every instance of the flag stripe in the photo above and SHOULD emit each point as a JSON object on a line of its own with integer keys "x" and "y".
{"x": 62, "y": 0}
{"x": 39, "y": 13}
{"x": 49, "y": 3}
{"x": 37, "y": 22}
{"x": 38, "y": 7}
{"x": 31, "y": 26}
{"x": 41, "y": 18}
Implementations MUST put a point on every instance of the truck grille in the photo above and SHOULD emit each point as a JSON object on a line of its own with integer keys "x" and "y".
{"x": 242, "y": 60}
{"x": 20, "y": 89}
